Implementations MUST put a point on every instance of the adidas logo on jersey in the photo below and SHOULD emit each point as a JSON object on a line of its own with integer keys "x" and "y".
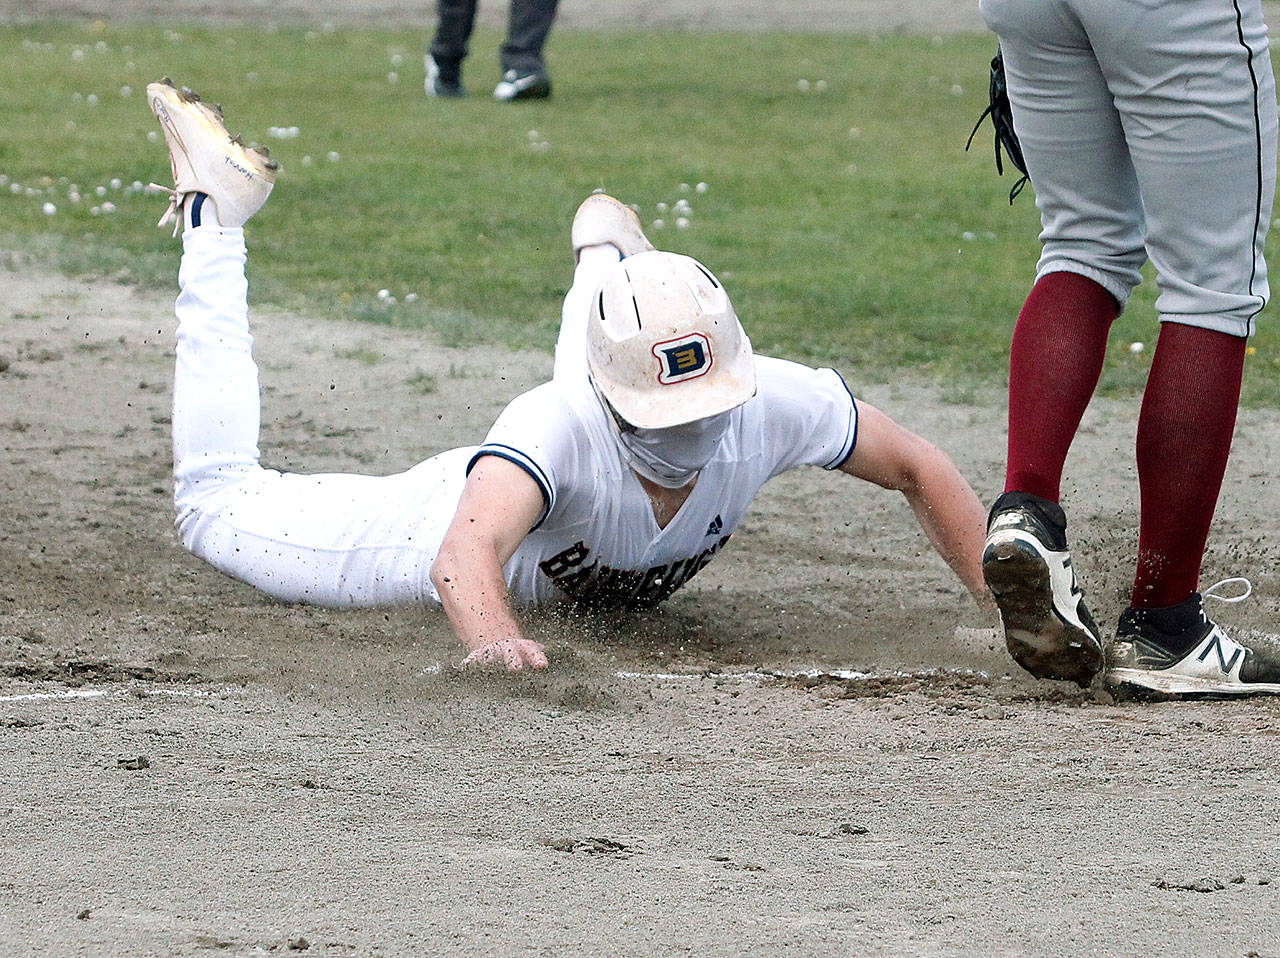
{"x": 717, "y": 524}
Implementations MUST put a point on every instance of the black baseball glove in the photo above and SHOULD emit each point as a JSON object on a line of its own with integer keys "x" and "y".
{"x": 1001, "y": 114}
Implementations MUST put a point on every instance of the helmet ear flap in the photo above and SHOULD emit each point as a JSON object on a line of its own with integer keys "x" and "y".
{"x": 664, "y": 345}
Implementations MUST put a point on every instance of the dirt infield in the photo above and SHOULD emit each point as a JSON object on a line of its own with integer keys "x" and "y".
{"x": 818, "y": 747}
{"x": 326, "y": 775}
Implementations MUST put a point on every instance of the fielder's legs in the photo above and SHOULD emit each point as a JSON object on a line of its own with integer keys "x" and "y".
{"x": 1092, "y": 234}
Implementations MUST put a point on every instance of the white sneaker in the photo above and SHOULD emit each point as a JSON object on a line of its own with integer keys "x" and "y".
{"x": 523, "y": 86}
{"x": 207, "y": 159}
{"x": 1180, "y": 651}
{"x": 603, "y": 219}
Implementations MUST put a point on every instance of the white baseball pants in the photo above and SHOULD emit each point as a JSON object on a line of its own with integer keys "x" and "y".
{"x": 338, "y": 540}
{"x": 1149, "y": 130}
{"x": 334, "y": 540}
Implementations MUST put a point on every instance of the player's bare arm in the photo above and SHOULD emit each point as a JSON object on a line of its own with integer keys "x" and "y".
{"x": 944, "y": 503}
{"x": 498, "y": 507}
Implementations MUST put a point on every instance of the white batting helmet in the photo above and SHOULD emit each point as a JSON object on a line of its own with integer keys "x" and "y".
{"x": 664, "y": 345}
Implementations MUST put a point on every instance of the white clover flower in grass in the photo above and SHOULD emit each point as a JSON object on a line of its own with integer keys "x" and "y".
{"x": 49, "y": 209}
{"x": 393, "y": 77}
{"x": 396, "y": 59}
{"x": 108, "y": 207}
{"x": 682, "y": 223}
{"x": 91, "y": 99}
{"x": 152, "y": 136}
{"x": 410, "y": 297}
{"x": 683, "y": 187}
{"x": 700, "y": 188}
{"x": 662, "y": 207}
{"x": 116, "y": 183}
{"x": 1136, "y": 348}
{"x": 332, "y": 156}
{"x": 126, "y": 91}
{"x": 802, "y": 85}
{"x": 384, "y": 294}
{"x": 659, "y": 224}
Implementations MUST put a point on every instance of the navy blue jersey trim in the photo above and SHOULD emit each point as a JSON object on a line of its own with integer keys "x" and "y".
{"x": 197, "y": 201}
{"x": 847, "y": 450}
{"x": 519, "y": 459}
{"x": 1257, "y": 132}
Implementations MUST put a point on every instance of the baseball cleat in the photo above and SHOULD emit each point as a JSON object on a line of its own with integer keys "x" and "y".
{"x": 1179, "y": 651}
{"x": 444, "y": 81}
{"x": 207, "y": 159}
{"x": 1047, "y": 627}
{"x": 535, "y": 85}
{"x": 602, "y": 219}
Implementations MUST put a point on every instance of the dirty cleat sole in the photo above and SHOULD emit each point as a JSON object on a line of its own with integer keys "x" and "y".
{"x": 1048, "y": 630}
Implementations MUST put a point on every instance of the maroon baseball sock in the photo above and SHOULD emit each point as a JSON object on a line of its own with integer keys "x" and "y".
{"x": 1184, "y": 437}
{"x": 1054, "y": 364}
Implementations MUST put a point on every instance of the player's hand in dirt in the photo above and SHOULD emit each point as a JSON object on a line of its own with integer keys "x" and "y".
{"x": 516, "y": 654}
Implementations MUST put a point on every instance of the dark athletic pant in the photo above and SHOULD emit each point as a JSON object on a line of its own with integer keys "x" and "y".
{"x": 527, "y": 30}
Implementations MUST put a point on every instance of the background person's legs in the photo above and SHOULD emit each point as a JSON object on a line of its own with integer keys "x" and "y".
{"x": 527, "y": 29}
{"x": 453, "y": 34}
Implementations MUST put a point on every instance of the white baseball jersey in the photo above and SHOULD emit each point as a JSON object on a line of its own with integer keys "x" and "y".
{"x": 1149, "y": 129}
{"x": 352, "y": 540}
{"x": 597, "y": 541}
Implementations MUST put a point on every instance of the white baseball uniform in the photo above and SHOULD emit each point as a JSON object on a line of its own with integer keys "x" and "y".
{"x": 1149, "y": 129}
{"x": 353, "y": 540}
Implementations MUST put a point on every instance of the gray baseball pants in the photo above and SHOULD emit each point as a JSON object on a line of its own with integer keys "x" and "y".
{"x": 1149, "y": 131}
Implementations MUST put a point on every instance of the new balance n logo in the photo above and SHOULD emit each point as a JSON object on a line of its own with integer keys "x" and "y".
{"x": 1215, "y": 645}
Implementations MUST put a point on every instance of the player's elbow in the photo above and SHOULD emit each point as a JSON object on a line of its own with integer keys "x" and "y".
{"x": 446, "y": 570}
{"x": 909, "y": 473}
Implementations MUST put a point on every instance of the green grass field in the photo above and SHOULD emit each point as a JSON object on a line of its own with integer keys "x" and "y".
{"x": 847, "y": 221}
